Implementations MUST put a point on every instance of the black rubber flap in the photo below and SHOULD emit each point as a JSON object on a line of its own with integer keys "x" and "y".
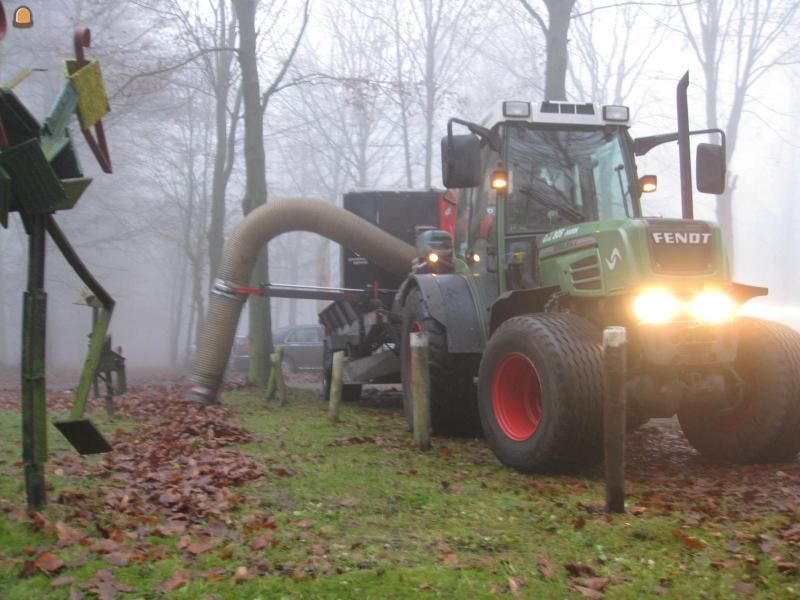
{"x": 84, "y": 436}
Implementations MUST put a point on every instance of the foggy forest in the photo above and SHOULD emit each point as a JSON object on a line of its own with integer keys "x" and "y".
{"x": 516, "y": 324}
{"x": 355, "y": 95}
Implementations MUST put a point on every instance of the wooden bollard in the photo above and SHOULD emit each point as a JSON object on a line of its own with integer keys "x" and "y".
{"x": 335, "y": 400}
{"x": 614, "y": 376}
{"x": 277, "y": 370}
{"x": 420, "y": 389}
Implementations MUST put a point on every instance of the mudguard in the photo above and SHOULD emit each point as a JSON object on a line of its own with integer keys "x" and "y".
{"x": 519, "y": 302}
{"x": 449, "y": 300}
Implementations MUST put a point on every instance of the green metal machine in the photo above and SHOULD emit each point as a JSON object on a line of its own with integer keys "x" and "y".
{"x": 550, "y": 246}
{"x": 39, "y": 175}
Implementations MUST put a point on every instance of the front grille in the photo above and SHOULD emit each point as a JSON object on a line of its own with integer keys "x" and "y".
{"x": 680, "y": 247}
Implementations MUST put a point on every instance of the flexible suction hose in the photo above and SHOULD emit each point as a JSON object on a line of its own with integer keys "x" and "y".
{"x": 239, "y": 256}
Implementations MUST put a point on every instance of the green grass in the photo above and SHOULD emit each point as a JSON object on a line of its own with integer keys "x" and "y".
{"x": 381, "y": 519}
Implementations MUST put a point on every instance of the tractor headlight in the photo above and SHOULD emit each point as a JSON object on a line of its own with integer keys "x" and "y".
{"x": 655, "y": 305}
{"x": 712, "y": 307}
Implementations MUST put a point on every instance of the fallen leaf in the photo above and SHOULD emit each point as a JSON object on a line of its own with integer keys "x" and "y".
{"x": 240, "y": 574}
{"x": 587, "y": 592}
{"x": 67, "y": 536}
{"x": 47, "y": 562}
{"x": 788, "y": 568}
{"x": 687, "y": 541}
{"x": 514, "y": 585}
{"x": 580, "y": 523}
{"x": 198, "y": 548}
{"x": 62, "y": 580}
{"x": 104, "y": 546}
{"x": 119, "y": 559}
{"x": 303, "y": 523}
{"x": 178, "y": 579}
{"x": 546, "y": 566}
{"x": 744, "y": 589}
{"x": 580, "y": 570}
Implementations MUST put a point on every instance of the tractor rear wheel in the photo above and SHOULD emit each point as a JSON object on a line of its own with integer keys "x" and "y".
{"x": 540, "y": 393}
{"x": 454, "y": 406}
{"x": 761, "y": 421}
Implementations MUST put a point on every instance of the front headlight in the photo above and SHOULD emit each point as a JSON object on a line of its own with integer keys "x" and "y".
{"x": 655, "y": 306}
{"x": 660, "y": 305}
{"x": 712, "y": 307}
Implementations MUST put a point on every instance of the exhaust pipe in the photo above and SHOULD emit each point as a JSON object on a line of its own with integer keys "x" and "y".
{"x": 239, "y": 256}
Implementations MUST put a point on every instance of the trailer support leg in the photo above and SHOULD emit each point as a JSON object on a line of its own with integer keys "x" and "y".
{"x": 34, "y": 392}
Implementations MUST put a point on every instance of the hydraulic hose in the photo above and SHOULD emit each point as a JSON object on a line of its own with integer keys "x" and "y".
{"x": 239, "y": 257}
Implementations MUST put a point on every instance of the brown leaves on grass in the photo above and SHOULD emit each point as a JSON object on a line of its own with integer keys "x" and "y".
{"x": 49, "y": 563}
{"x": 689, "y": 542}
{"x": 175, "y": 464}
{"x": 68, "y": 536}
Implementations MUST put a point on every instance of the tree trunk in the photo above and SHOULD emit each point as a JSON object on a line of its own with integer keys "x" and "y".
{"x": 558, "y": 11}
{"x": 255, "y": 185}
{"x": 223, "y": 153}
{"x": 430, "y": 90}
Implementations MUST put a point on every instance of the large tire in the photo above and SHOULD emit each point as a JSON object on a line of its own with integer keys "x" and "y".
{"x": 351, "y": 392}
{"x": 763, "y": 423}
{"x": 540, "y": 393}
{"x": 454, "y": 405}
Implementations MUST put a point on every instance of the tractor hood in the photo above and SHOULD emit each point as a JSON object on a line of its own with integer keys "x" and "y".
{"x": 612, "y": 257}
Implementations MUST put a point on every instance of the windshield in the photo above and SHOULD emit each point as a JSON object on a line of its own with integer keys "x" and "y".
{"x": 563, "y": 177}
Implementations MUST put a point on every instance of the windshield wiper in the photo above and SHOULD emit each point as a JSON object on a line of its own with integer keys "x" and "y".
{"x": 572, "y": 215}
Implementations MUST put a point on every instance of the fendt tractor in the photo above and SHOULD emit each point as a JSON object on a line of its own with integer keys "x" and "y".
{"x": 549, "y": 246}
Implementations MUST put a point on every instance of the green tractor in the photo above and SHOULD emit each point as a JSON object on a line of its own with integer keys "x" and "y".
{"x": 549, "y": 246}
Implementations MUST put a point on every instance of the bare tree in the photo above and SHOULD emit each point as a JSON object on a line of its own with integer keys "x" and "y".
{"x": 555, "y": 31}
{"x": 255, "y": 103}
{"x": 737, "y": 42}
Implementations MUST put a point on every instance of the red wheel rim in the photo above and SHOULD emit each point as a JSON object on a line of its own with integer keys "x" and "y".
{"x": 517, "y": 397}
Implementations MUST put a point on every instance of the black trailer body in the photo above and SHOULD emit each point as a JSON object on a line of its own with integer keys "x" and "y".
{"x": 362, "y": 324}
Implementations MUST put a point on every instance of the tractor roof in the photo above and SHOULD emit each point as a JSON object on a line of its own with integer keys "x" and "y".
{"x": 554, "y": 112}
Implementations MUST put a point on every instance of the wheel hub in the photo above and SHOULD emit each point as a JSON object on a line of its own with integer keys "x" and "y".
{"x": 517, "y": 397}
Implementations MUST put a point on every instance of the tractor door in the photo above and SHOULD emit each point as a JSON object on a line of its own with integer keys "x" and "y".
{"x": 476, "y": 238}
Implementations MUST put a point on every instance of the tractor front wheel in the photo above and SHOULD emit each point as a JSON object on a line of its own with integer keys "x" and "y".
{"x": 540, "y": 393}
{"x": 761, "y": 420}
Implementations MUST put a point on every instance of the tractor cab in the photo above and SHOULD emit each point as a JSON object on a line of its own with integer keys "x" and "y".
{"x": 536, "y": 169}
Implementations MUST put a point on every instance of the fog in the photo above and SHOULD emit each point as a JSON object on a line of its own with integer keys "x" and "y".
{"x": 355, "y": 88}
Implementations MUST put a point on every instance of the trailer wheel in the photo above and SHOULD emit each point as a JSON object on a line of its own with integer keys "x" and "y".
{"x": 454, "y": 405}
{"x": 540, "y": 393}
{"x": 351, "y": 392}
{"x": 762, "y": 422}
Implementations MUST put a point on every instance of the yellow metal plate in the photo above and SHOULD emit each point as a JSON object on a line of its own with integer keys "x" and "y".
{"x": 92, "y": 99}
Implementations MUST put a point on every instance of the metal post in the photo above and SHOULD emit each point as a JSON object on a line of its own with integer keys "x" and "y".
{"x": 614, "y": 359}
{"x": 420, "y": 389}
{"x": 34, "y": 392}
{"x": 335, "y": 400}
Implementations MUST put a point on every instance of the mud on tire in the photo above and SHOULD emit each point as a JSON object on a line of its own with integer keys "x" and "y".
{"x": 762, "y": 425}
{"x": 454, "y": 407}
{"x": 540, "y": 393}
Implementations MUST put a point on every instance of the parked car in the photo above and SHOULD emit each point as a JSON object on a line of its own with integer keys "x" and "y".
{"x": 302, "y": 346}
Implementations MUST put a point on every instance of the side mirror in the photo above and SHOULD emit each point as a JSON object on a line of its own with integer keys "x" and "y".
{"x": 461, "y": 161}
{"x": 710, "y": 168}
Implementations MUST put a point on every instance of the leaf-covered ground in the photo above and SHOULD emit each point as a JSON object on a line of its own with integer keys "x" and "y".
{"x": 252, "y": 500}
